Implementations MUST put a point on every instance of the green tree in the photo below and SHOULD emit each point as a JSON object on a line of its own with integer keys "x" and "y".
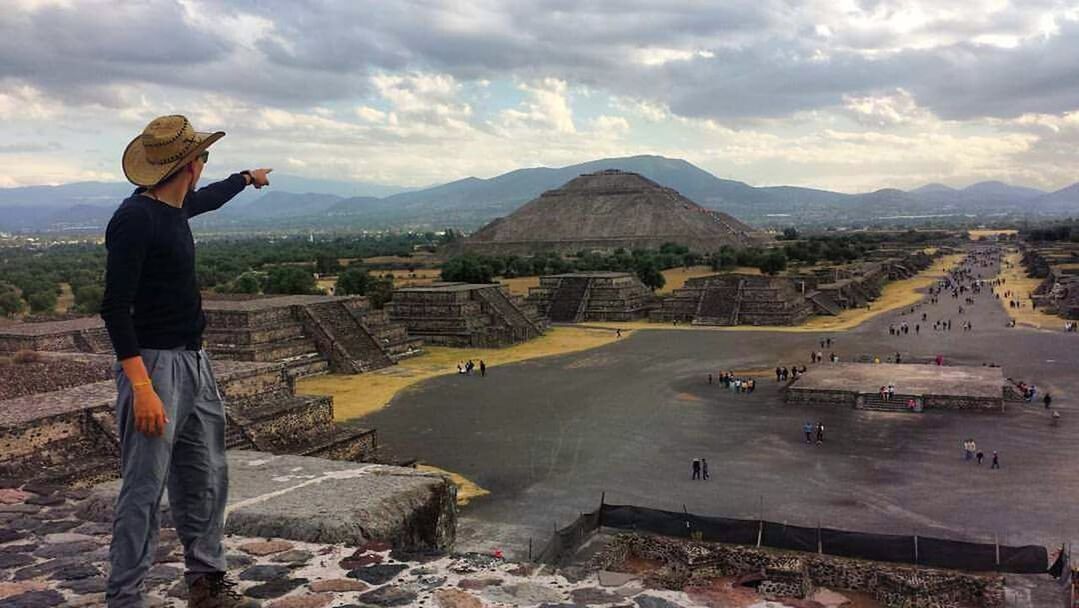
{"x": 42, "y": 301}
{"x": 467, "y": 269}
{"x": 354, "y": 281}
{"x": 327, "y": 264}
{"x": 773, "y": 263}
{"x": 650, "y": 275}
{"x": 88, "y": 298}
{"x": 248, "y": 282}
{"x": 290, "y": 280}
{"x": 10, "y": 302}
{"x": 380, "y": 291}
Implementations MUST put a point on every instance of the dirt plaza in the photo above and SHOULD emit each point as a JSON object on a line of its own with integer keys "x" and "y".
{"x": 547, "y": 437}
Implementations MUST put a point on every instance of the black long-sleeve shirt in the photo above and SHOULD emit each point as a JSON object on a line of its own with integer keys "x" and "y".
{"x": 152, "y": 297}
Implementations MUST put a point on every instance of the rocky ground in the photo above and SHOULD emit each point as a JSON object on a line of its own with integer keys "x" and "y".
{"x": 19, "y": 379}
{"x": 54, "y": 552}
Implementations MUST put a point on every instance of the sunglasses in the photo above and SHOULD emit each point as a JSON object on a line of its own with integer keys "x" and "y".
{"x": 205, "y": 156}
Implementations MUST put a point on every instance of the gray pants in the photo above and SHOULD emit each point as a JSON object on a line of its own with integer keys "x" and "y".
{"x": 189, "y": 458}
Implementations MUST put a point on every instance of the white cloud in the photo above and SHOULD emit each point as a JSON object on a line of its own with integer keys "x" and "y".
{"x": 547, "y": 107}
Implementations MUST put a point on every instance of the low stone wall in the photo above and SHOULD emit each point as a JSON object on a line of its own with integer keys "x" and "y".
{"x": 799, "y": 396}
{"x": 955, "y": 402}
{"x": 328, "y": 501}
{"x": 795, "y": 574}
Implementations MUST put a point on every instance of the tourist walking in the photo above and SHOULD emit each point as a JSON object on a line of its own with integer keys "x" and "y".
{"x": 704, "y": 469}
{"x": 483, "y": 369}
{"x": 170, "y": 417}
{"x": 980, "y": 456}
{"x": 696, "y": 468}
{"x": 1047, "y": 400}
{"x": 820, "y": 433}
{"x": 996, "y": 461}
{"x": 807, "y": 428}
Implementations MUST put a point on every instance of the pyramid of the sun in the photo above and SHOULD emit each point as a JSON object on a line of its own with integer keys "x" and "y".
{"x": 608, "y": 210}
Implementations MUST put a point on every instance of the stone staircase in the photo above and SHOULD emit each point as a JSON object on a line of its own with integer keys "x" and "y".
{"x": 823, "y": 303}
{"x": 872, "y": 402}
{"x": 568, "y": 300}
{"x": 335, "y": 330}
{"x": 717, "y": 306}
{"x": 509, "y": 312}
{"x": 94, "y": 340}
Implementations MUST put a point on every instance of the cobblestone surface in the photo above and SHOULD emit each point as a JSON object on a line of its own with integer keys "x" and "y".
{"x": 58, "y": 556}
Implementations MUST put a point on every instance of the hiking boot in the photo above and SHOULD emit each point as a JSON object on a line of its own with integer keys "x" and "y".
{"x": 217, "y": 591}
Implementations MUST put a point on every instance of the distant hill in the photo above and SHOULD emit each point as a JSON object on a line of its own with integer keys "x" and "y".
{"x": 469, "y": 203}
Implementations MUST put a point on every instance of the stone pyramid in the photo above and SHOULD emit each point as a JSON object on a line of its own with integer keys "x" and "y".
{"x": 608, "y": 210}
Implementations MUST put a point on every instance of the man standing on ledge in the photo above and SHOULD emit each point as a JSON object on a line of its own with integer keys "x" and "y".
{"x": 169, "y": 412}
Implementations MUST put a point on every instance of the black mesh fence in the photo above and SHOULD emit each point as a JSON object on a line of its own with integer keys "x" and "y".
{"x": 565, "y": 542}
{"x": 920, "y": 550}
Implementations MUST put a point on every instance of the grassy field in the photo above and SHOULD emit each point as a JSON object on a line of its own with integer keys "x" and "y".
{"x": 357, "y": 395}
{"x": 520, "y": 285}
{"x": 1016, "y": 280}
{"x": 977, "y": 234}
{"x": 466, "y": 489}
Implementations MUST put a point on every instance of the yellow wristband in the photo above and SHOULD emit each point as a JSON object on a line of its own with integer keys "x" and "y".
{"x": 141, "y": 384}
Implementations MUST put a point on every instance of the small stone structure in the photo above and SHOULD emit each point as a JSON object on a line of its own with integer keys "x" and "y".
{"x": 309, "y": 334}
{"x": 1058, "y": 264}
{"x": 792, "y": 574}
{"x": 69, "y": 436}
{"x": 592, "y": 296}
{"x": 326, "y": 501}
{"x": 858, "y": 385}
{"x": 85, "y": 335}
{"x": 465, "y": 314}
{"x": 735, "y": 299}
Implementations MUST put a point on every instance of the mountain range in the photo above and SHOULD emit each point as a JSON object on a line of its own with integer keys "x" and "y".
{"x": 295, "y": 202}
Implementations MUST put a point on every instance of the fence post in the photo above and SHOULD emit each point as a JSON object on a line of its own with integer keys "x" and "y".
{"x": 529, "y": 548}
{"x": 820, "y": 544}
{"x": 996, "y": 544}
{"x": 915, "y": 548}
{"x": 686, "y": 512}
{"x": 599, "y": 514}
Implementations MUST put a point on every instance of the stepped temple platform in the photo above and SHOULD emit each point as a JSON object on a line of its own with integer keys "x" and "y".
{"x": 85, "y": 335}
{"x": 736, "y": 299}
{"x": 1058, "y": 266}
{"x": 931, "y": 386}
{"x": 592, "y": 296}
{"x": 465, "y": 314}
{"x": 69, "y": 436}
{"x": 309, "y": 334}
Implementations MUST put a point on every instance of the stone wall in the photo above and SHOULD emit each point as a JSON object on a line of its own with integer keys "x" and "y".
{"x": 464, "y": 315}
{"x": 592, "y": 296}
{"x": 688, "y": 563}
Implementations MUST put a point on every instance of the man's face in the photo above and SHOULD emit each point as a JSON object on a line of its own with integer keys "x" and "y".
{"x": 196, "y": 172}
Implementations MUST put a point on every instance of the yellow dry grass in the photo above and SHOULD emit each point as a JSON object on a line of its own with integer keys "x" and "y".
{"x": 897, "y": 294}
{"x": 66, "y": 300}
{"x": 466, "y": 489}
{"x": 977, "y": 234}
{"x": 1017, "y": 281}
{"x": 520, "y": 285}
{"x": 362, "y": 394}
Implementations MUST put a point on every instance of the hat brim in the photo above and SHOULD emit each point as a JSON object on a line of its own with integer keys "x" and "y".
{"x": 141, "y": 172}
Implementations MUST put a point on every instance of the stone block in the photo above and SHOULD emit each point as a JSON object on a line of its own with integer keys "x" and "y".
{"x": 326, "y": 501}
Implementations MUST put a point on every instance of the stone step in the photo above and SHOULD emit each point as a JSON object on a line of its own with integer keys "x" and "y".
{"x": 275, "y": 351}
{"x": 283, "y": 426}
{"x": 228, "y": 337}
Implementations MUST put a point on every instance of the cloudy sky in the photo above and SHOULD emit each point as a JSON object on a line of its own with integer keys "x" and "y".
{"x": 851, "y": 95}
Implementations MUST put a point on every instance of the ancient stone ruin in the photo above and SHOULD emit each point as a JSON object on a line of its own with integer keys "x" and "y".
{"x": 592, "y": 296}
{"x": 735, "y": 299}
{"x": 309, "y": 334}
{"x": 784, "y": 575}
{"x": 82, "y": 335}
{"x": 1058, "y": 265}
{"x": 465, "y": 315}
{"x": 926, "y": 386}
{"x": 69, "y": 436}
{"x": 605, "y": 211}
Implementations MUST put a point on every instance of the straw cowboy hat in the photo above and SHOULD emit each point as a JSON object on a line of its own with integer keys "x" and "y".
{"x": 165, "y": 145}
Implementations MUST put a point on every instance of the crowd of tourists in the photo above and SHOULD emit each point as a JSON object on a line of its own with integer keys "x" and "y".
{"x": 971, "y": 452}
{"x": 467, "y": 367}
{"x": 734, "y": 383}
